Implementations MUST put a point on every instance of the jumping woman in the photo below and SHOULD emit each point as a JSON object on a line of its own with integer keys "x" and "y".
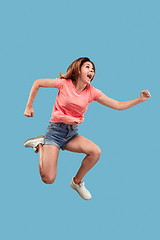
{"x": 74, "y": 96}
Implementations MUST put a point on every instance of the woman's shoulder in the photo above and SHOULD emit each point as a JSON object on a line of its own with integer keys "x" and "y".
{"x": 94, "y": 92}
{"x": 61, "y": 82}
{"x": 91, "y": 88}
{"x": 64, "y": 79}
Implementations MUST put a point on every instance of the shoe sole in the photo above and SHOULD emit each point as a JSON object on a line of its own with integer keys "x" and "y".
{"x": 78, "y": 192}
{"x": 32, "y": 139}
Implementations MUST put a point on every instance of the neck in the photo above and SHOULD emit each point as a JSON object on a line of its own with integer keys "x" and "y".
{"x": 79, "y": 85}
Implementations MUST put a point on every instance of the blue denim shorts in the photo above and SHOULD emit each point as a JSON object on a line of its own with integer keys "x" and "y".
{"x": 59, "y": 134}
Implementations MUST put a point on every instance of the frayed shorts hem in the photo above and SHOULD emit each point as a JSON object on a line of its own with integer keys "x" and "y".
{"x": 51, "y": 143}
{"x": 64, "y": 145}
{"x": 46, "y": 142}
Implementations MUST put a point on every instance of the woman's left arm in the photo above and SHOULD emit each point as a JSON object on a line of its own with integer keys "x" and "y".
{"x": 109, "y": 102}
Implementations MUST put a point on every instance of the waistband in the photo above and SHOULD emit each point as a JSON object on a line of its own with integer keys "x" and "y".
{"x": 64, "y": 125}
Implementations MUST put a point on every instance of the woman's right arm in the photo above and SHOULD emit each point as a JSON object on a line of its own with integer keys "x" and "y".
{"x": 48, "y": 83}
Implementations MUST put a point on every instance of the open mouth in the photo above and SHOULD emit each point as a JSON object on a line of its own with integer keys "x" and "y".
{"x": 89, "y": 76}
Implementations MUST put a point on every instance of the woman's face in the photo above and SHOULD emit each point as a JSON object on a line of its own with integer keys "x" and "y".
{"x": 87, "y": 72}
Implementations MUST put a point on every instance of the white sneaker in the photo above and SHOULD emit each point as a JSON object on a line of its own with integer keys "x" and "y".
{"x": 34, "y": 142}
{"x": 80, "y": 188}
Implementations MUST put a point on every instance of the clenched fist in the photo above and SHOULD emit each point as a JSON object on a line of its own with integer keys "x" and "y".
{"x": 29, "y": 112}
{"x": 145, "y": 95}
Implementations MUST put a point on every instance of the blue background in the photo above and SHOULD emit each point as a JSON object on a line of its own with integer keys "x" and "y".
{"x": 38, "y": 40}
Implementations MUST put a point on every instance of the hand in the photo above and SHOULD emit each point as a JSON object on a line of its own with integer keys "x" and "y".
{"x": 29, "y": 112}
{"x": 145, "y": 95}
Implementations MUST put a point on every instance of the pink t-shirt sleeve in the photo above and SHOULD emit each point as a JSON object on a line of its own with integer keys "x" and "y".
{"x": 58, "y": 83}
{"x": 95, "y": 93}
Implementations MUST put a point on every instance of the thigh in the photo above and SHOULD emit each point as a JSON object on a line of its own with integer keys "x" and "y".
{"x": 81, "y": 144}
{"x": 50, "y": 158}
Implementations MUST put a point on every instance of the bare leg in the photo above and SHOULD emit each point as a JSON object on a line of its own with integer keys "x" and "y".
{"x": 48, "y": 157}
{"x": 83, "y": 145}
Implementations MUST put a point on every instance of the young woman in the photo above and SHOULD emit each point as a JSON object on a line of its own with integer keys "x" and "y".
{"x": 75, "y": 94}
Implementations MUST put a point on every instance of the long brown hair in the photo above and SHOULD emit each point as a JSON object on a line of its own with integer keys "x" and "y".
{"x": 75, "y": 68}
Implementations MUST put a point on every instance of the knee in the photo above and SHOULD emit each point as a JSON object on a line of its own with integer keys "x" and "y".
{"x": 48, "y": 179}
{"x": 96, "y": 152}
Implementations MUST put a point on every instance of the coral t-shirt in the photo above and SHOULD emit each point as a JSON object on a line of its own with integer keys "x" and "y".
{"x": 70, "y": 105}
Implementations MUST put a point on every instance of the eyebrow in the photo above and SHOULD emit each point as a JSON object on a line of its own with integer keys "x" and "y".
{"x": 89, "y": 65}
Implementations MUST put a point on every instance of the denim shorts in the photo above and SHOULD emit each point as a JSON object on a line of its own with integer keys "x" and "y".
{"x": 59, "y": 134}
